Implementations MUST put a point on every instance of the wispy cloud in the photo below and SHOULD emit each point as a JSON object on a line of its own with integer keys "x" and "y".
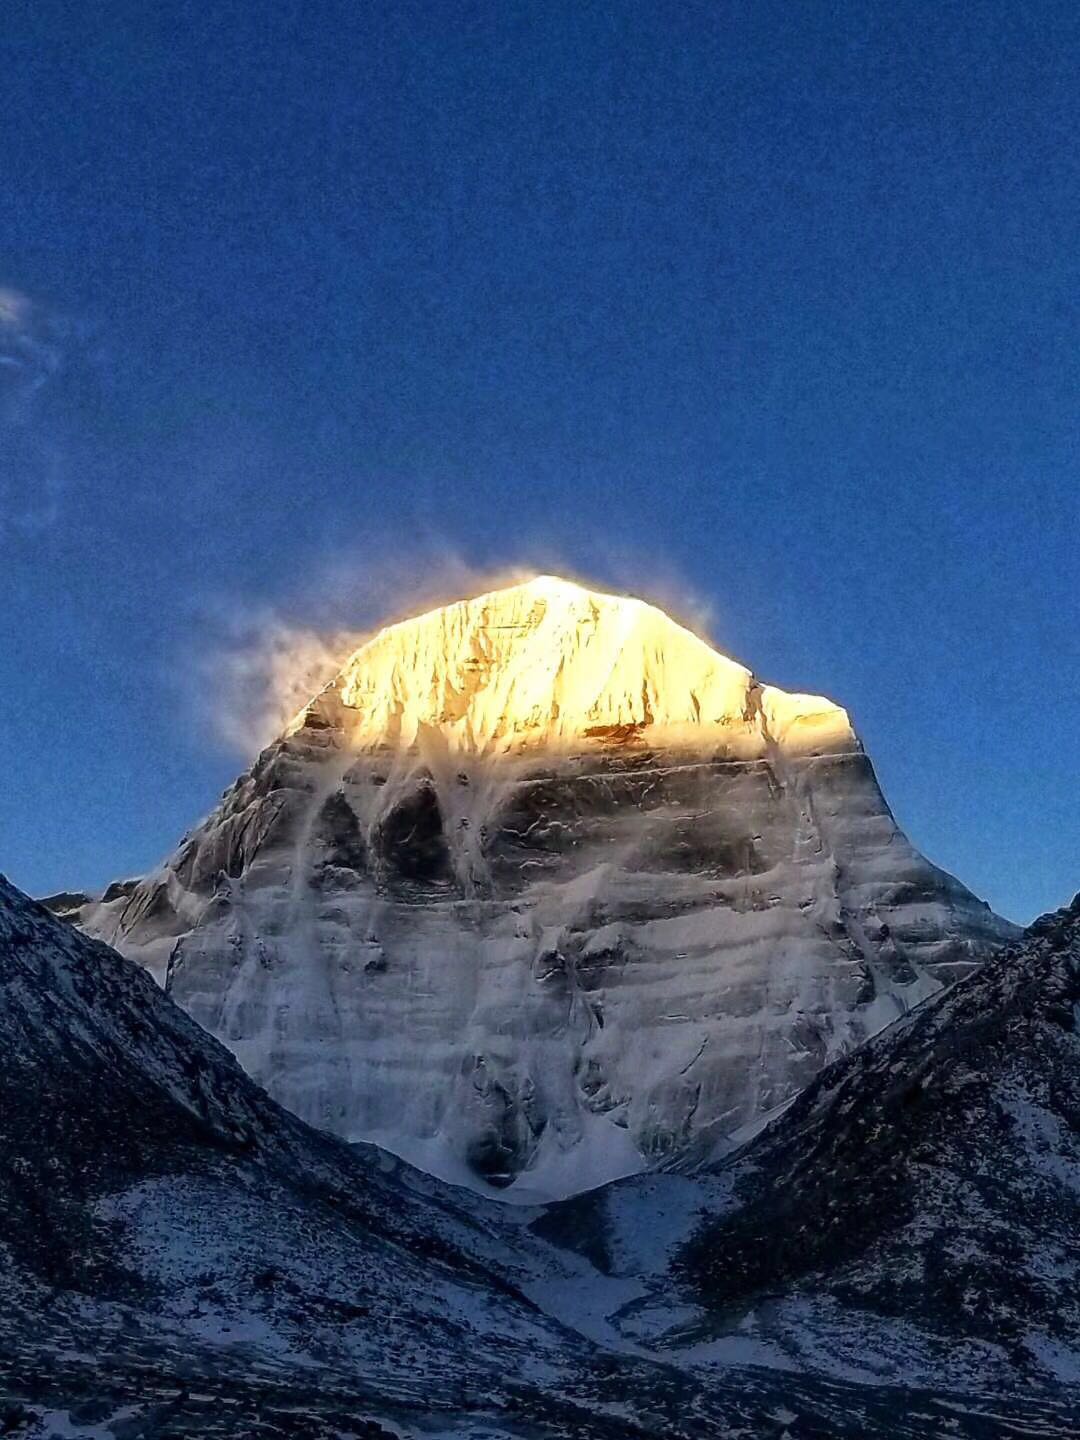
{"x": 252, "y": 670}
{"x": 36, "y": 346}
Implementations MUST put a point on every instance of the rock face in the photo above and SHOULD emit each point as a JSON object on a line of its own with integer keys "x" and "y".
{"x": 542, "y": 890}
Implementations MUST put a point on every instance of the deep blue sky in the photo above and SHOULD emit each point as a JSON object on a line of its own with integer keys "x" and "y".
{"x": 774, "y": 304}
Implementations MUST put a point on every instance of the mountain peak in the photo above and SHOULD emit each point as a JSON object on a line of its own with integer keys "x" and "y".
{"x": 543, "y": 889}
{"x": 548, "y": 663}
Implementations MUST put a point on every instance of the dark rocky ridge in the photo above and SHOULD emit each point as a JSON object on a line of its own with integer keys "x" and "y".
{"x": 952, "y": 1140}
{"x": 915, "y": 1211}
{"x": 124, "y": 1127}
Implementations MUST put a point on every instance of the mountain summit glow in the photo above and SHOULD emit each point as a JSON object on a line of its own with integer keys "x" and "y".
{"x": 549, "y": 663}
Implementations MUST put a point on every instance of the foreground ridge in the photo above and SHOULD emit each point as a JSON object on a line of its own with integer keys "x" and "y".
{"x": 181, "y": 1257}
{"x": 164, "y": 1221}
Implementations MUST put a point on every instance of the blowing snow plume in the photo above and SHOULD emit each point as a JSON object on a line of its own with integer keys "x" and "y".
{"x": 254, "y": 665}
{"x": 258, "y": 671}
{"x": 36, "y": 351}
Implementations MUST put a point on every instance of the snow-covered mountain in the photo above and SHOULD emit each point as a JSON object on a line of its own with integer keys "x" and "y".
{"x": 542, "y": 890}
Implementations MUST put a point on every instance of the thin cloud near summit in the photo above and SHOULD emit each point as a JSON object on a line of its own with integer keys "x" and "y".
{"x": 36, "y": 346}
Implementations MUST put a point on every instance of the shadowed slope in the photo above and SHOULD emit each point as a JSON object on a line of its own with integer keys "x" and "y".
{"x": 913, "y": 1215}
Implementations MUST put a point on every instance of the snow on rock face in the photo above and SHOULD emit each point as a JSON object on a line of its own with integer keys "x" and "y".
{"x": 546, "y": 665}
{"x": 542, "y": 890}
